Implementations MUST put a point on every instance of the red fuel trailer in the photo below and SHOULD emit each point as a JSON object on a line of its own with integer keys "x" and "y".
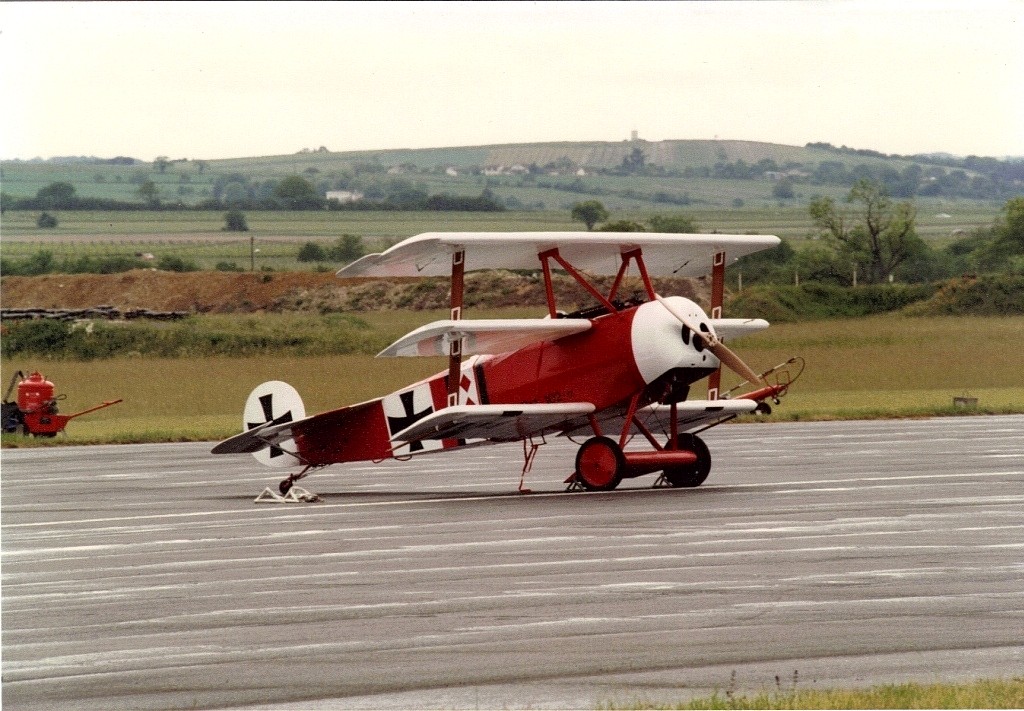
{"x": 35, "y": 412}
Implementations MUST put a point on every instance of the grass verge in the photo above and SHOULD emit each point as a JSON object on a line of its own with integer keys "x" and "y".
{"x": 878, "y": 367}
{"x": 981, "y": 694}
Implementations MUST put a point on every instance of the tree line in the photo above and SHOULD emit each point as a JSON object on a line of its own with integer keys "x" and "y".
{"x": 870, "y": 238}
{"x": 291, "y": 193}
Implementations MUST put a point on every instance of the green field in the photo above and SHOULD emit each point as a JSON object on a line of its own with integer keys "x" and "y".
{"x": 885, "y": 366}
{"x": 197, "y": 236}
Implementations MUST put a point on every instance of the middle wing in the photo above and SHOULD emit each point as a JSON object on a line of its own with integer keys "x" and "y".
{"x": 498, "y": 423}
{"x": 482, "y": 336}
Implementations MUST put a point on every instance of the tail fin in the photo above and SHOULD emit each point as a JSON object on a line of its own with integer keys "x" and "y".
{"x": 268, "y": 411}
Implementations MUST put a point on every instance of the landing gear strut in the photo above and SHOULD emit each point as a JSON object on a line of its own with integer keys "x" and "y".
{"x": 288, "y": 483}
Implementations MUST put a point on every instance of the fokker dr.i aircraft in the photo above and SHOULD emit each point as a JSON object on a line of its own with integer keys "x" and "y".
{"x": 606, "y": 374}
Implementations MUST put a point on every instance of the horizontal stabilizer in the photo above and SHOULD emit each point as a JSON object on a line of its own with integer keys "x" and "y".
{"x": 261, "y": 437}
{"x": 730, "y": 328}
{"x": 500, "y": 423}
{"x": 482, "y": 336}
{"x": 597, "y": 253}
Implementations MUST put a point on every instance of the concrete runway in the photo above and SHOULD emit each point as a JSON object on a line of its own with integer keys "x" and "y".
{"x": 820, "y": 554}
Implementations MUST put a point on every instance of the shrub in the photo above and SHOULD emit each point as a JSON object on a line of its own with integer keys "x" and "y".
{"x": 46, "y": 221}
{"x": 172, "y": 263}
{"x": 312, "y": 252}
{"x": 110, "y": 264}
{"x": 42, "y": 262}
{"x": 822, "y": 301}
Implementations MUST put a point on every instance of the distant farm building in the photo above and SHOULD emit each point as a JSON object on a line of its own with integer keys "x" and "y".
{"x": 516, "y": 169}
{"x": 344, "y": 196}
{"x": 793, "y": 174}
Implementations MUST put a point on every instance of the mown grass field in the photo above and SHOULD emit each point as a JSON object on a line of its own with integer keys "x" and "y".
{"x": 886, "y": 366}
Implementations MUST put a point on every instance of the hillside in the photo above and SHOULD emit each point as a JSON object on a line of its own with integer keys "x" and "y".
{"x": 246, "y": 292}
{"x": 625, "y": 175}
{"x": 319, "y": 292}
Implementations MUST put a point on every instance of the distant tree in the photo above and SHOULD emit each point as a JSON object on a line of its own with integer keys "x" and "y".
{"x": 621, "y": 226}
{"x": 234, "y": 221}
{"x": 783, "y": 190}
{"x": 202, "y": 165}
{"x": 878, "y": 236}
{"x": 1007, "y": 242}
{"x": 161, "y": 163}
{"x": 149, "y": 192}
{"x": 297, "y": 193}
{"x": 675, "y": 224}
{"x": 56, "y": 195}
{"x": 348, "y": 248}
{"x": 46, "y": 221}
{"x": 589, "y": 212}
{"x": 634, "y": 161}
{"x": 234, "y": 193}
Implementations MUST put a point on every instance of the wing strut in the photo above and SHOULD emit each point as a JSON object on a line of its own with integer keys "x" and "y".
{"x": 717, "y": 299}
{"x": 455, "y": 346}
{"x": 606, "y": 301}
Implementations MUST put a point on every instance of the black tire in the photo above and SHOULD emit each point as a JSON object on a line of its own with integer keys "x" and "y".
{"x": 286, "y": 486}
{"x": 600, "y": 464}
{"x": 693, "y": 474}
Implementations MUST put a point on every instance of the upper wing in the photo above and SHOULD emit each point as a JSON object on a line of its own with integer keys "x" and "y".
{"x": 499, "y": 423}
{"x": 598, "y": 253}
{"x": 482, "y": 336}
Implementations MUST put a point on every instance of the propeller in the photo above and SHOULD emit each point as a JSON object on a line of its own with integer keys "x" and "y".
{"x": 711, "y": 342}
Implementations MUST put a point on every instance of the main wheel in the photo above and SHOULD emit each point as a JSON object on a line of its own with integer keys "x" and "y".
{"x": 692, "y": 474}
{"x": 600, "y": 464}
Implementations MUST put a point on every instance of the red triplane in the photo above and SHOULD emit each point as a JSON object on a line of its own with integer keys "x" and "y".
{"x": 35, "y": 411}
{"x": 621, "y": 368}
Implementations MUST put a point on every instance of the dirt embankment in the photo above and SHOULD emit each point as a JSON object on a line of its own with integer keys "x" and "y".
{"x": 228, "y": 292}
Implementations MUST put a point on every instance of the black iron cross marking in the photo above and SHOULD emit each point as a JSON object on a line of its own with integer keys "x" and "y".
{"x": 397, "y": 424}
{"x": 267, "y": 403}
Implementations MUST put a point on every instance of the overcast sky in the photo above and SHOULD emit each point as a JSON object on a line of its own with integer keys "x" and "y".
{"x": 211, "y": 80}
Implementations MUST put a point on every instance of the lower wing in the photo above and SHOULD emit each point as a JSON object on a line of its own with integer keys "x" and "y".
{"x": 497, "y": 423}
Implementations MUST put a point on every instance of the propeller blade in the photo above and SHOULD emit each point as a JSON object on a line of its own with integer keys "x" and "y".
{"x": 734, "y": 362}
{"x": 719, "y": 349}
